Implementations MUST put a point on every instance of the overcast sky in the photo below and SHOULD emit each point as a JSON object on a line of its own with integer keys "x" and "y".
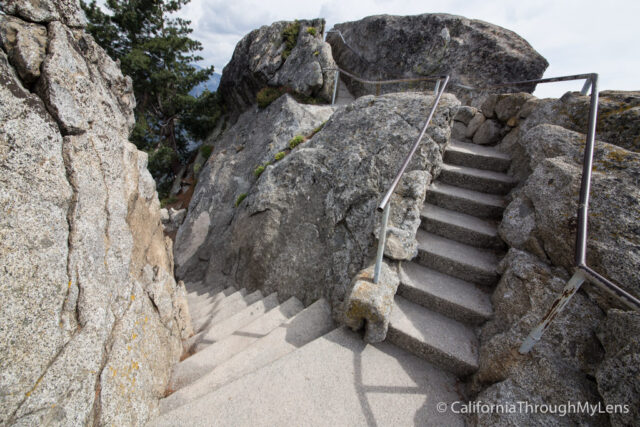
{"x": 575, "y": 36}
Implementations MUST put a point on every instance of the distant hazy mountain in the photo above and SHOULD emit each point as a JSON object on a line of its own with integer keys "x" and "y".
{"x": 211, "y": 84}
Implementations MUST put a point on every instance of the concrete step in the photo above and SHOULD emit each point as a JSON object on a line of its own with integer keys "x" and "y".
{"x": 228, "y": 307}
{"x": 457, "y": 259}
{"x": 336, "y": 380}
{"x": 211, "y": 355}
{"x": 437, "y": 339}
{"x": 476, "y": 179}
{"x": 225, "y": 328}
{"x": 452, "y": 297}
{"x": 256, "y": 329}
{"x": 309, "y": 324}
{"x": 205, "y": 306}
{"x": 461, "y": 227}
{"x": 466, "y": 201}
{"x": 476, "y": 156}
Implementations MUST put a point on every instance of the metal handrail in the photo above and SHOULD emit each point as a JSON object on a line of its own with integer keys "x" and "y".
{"x": 582, "y": 270}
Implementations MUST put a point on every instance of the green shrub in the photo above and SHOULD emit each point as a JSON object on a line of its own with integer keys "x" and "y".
{"x": 267, "y": 95}
{"x": 206, "y": 150}
{"x": 280, "y": 155}
{"x": 295, "y": 141}
{"x": 316, "y": 53}
{"x": 240, "y": 199}
{"x": 311, "y": 30}
{"x": 258, "y": 171}
{"x": 318, "y": 129}
{"x": 290, "y": 38}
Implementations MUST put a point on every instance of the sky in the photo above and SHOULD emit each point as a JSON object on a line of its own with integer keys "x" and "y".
{"x": 574, "y": 36}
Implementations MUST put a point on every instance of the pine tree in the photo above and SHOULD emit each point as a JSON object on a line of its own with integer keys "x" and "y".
{"x": 155, "y": 49}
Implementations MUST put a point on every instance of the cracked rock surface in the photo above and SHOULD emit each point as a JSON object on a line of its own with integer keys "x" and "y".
{"x": 92, "y": 318}
{"x": 306, "y": 226}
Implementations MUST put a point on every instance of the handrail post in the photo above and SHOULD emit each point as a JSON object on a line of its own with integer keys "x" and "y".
{"x": 586, "y": 86}
{"x": 436, "y": 87}
{"x": 335, "y": 86}
{"x": 382, "y": 240}
{"x": 585, "y": 187}
{"x": 569, "y": 290}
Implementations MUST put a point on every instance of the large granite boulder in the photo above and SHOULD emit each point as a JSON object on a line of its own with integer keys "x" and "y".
{"x": 474, "y": 52}
{"x": 543, "y": 214}
{"x": 264, "y": 58}
{"x": 92, "y": 318}
{"x": 618, "y": 116}
{"x": 307, "y": 224}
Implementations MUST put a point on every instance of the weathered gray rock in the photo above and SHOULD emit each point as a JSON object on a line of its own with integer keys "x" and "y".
{"x": 555, "y": 155}
{"x": 91, "y": 317}
{"x": 258, "y": 62}
{"x": 618, "y": 116}
{"x": 558, "y": 368}
{"x": 474, "y": 52}
{"x": 618, "y": 375}
{"x": 306, "y": 227}
{"x": 404, "y": 218}
{"x": 477, "y": 121}
{"x": 370, "y": 304}
{"x": 25, "y": 45}
{"x": 488, "y": 133}
{"x": 172, "y": 219}
{"x": 508, "y": 106}
{"x": 230, "y": 172}
{"x": 465, "y": 114}
{"x": 68, "y": 12}
{"x": 458, "y": 131}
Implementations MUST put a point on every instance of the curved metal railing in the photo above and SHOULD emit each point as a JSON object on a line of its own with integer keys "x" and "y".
{"x": 582, "y": 271}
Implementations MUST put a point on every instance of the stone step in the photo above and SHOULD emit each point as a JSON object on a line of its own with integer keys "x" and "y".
{"x": 221, "y": 330}
{"x": 476, "y": 156}
{"x": 437, "y": 339}
{"x": 461, "y": 227}
{"x": 228, "y": 307}
{"x": 205, "y": 306}
{"x": 439, "y": 292}
{"x": 210, "y": 355}
{"x": 476, "y": 179}
{"x": 457, "y": 259}
{"x": 466, "y": 201}
{"x": 336, "y": 380}
{"x": 200, "y": 288}
{"x": 304, "y": 327}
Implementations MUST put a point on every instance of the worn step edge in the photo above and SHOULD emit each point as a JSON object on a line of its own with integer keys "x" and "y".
{"x": 476, "y": 179}
{"x": 210, "y": 305}
{"x": 444, "y": 294}
{"x": 226, "y": 309}
{"x": 469, "y": 202}
{"x": 438, "y": 339}
{"x": 457, "y": 259}
{"x": 460, "y": 227}
{"x": 476, "y": 156}
{"x": 227, "y": 327}
{"x": 311, "y": 323}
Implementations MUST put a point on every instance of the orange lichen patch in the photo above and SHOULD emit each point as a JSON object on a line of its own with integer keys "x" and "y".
{"x": 133, "y": 297}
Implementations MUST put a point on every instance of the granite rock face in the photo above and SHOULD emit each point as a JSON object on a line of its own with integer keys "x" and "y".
{"x": 618, "y": 116}
{"x": 92, "y": 318}
{"x": 618, "y": 375}
{"x": 306, "y": 227}
{"x": 544, "y": 210}
{"x": 474, "y": 52}
{"x": 259, "y": 60}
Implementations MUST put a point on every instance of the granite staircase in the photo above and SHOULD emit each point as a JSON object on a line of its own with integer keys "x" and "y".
{"x": 256, "y": 360}
{"x": 445, "y": 292}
